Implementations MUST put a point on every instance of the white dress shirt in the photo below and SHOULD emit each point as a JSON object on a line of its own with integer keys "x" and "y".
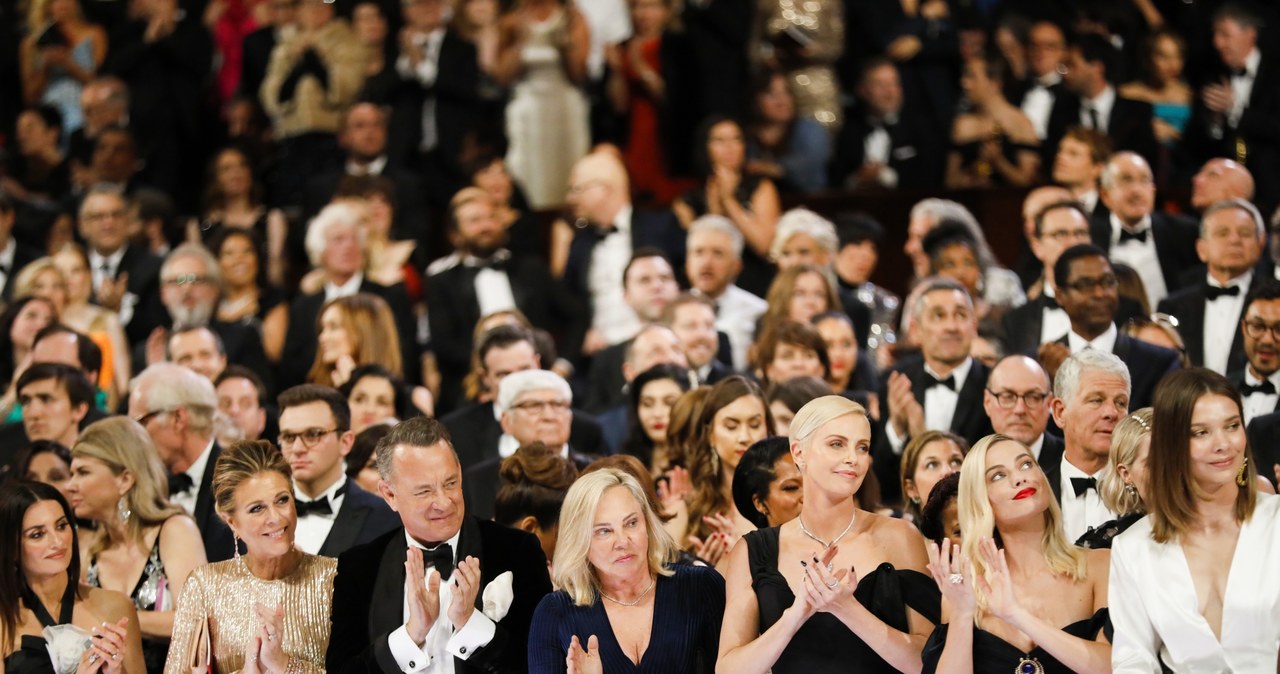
{"x": 1106, "y": 342}
{"x": 1089, "y": 200}
{"x": 737, "y": 312}
{"x": 195, "y": 471}
{"x": 611, "y": 316}
{"x": 939, "y": 404}
{"x": 435, "y": 654}
{"x": 426, "y": 72}
{"x": 1258, "y": 404}
{"x": 351, "y": 287}
{"x": 6, "y": 262}
{"x": 1157, "y": 613}
{"x": 313, "y": 528}
{"x": 107, "y": 267}
{"x": 1037, "y": 104}
{"x": 1221, "y": 320}
{"x": 508, "y": 444}
{"x": 1037, "y": 446}
{"x": 373, "y": 168}
{"x": 1083, "y": 512}
{"x": 1103, "y": 103}
{"x": 1142, "y": 256}
{"x": 1242, "y": 87}
{"x": 1054, "y": 321}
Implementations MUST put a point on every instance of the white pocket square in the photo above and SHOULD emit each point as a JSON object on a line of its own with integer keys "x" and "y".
{"x": 497, "y": 597}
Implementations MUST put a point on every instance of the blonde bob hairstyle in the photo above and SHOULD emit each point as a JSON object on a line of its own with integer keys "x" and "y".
{"x": 1125, "y": 441}
{"x": 572, "y": 569}
{"x": 978, "y": 521}
{"x": 124, "y": 446}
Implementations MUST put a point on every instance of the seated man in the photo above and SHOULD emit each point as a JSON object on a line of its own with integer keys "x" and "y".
{"x": 55, "y": 399}
{"x": 243, "y": 398}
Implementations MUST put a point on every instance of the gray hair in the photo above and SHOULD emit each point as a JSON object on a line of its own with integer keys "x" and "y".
{"x": 170, "y": 386}
{"x": 318, "y": 229}
{"x": 1108, "y": 177}
{"x": 519, "y": 383}
{"x": 804, "y": 221}
{"x": 101, "y": 189}
{"x": 721, "y": 224}
{"x": 1235, "y": 203}
{"x": 211, "y": 267}
{"x": 933, "y": 284}
{"x": 1067, "y": 382}
{"x": 946, "y": 209}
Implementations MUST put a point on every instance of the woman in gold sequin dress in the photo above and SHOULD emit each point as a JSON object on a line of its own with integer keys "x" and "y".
{"x": 267, "y": 610}
{"x": 803, "y": 38}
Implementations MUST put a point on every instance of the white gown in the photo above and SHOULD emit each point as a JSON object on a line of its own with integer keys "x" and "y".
{"x": 1157, "y": 617}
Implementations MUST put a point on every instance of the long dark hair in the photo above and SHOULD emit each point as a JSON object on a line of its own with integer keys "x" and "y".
{"x": 16, "y": 497}
{"x": 638, "y": 443}
{"x": 702, "y": 153}
{"x": 7, "y": 318}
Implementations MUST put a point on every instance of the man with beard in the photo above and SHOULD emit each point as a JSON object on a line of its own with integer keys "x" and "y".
{"x": 1259, "y": 380}
{"x": 481, "y": 277}
{"x": 190, "y": 285}
{"x": 693, "y": 319}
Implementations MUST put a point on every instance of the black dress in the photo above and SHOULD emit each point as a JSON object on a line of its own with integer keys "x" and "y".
{"x": 757, "y": 271}
{"x": 993, "y": 655}
{"x": 823, "y": 643}
{"x": 1100, "y": 537}
{"x": 32, "y": 656}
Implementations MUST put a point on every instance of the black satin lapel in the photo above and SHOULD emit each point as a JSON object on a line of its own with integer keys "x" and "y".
{"x": 469, "y": 544}
{"x": 386, "y": 612}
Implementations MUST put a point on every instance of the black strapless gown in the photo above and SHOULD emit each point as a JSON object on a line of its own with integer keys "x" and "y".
{"x": 32, "y": 656}
{"x": 823, "y": 643}
{"x": 993, "y": 655}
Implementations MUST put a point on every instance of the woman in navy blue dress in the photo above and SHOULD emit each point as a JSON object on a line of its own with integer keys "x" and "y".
{"x": 623, "y": 606}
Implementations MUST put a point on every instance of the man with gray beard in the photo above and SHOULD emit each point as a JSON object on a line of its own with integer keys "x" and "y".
{"x": 190, "y": 287}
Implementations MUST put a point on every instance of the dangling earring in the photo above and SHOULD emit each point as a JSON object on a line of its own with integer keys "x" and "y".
{"x": 1241, "y": 480}
{"x": 1130, "y": 489}
{"x": 715, "y": 460}
{"x": 915, "y": 500}
{"x": 123, "y": 511}
{"x": 235, "y": 545}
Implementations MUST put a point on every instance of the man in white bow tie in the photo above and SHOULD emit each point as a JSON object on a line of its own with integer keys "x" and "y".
{"x": 447, "y": 592}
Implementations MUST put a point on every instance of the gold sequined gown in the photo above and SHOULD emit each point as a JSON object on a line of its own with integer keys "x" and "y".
{"x": 814, "y": 82}
{"x": 224, "y": 593}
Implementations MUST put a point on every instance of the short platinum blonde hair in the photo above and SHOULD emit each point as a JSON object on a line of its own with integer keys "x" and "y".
{"x": 817, "y": 412}
{"x": 170, "y": 386}
{"x": 519, "y": 383}
{"x": 211, "y": 267}
{"x": 333, "y": 215}
{"x": 1125, "y": 441}
{"x": 804, "y": 221}
{"x": 1066, "y": 383}
{"x": 721, "y": 224}
{"x": 572, "y": 568}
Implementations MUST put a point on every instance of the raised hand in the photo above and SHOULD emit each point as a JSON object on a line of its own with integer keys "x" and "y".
{"x": 827, "y": 590}
{"x": 423, "y": 597}
{"x": 466, "y": 585}
{"x": 996, "y": 584}
{"x": 579, "y": 661}
{"x": 711, "y": 550}
{"x": 252, "y": 654}
{"x": 111, "y": 292}
{"x": 108, "y": 643}
{"x": 271, "y": 637}
{"x": 946, "y": 563}
{"x": 905, "y": 412}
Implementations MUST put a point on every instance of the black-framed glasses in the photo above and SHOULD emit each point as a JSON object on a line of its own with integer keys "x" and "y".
{"x": 309, "y": 437}
{"x": 1088, "y": 285}
{"x": 142, "y": 419}
{"x": 1254, "y": 329}
{"x": 1009, "y": 399}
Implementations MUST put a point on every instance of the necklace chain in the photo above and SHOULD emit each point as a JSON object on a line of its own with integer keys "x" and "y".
{"x": 805, "y": 530}
{"x": 652, "y": 581}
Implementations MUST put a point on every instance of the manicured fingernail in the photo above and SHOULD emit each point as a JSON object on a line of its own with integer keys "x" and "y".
{"x": 802, "y": 563}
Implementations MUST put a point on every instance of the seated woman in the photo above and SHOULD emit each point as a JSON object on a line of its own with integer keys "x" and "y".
{"x": 1175, "y": 609}
{"x": 926, "y": 459}
{"x": 955, "y": 254}
{"x": 1162, "y": 84}
{"x": 362, "y": 461}
{"x": 375, "y": 396}
{"x": 1030, "y": 603}
{"x": 787, "y": 397}
{"x": 233, "y": 199}
{"x": 767, "y": 484}
{"x": 837, "y": 585}
{"x": 940, "y": 516}
{"x": 623, "y": 605}
{"x": 247, "y": 297}
{"x": 851, "y": 369}
{"x": 51, "y": 623}
{"x": 45, "y": 461}
{"x": 651, "y": 395}
{"x": 534, "y": 482}
{"x": 788, "y": 350}
{"x": 993, "y": 143}
{"x": 82, "y": 315}
{"x": 1123, "y": 484}
{"x": 143, "y": 546}
{"x": 791, "y": 149}
{"x": 267, "y": 610}
{"x": 798, "y": 293}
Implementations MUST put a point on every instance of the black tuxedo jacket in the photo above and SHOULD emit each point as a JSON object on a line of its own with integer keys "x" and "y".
{"x": 368, "y": 599}
{"x": 1264, "y": 442}
{"x": 219, "y": 545}
{"x": 1175, "y": 237}
{"x": 475, "y": 433}
{"x": 22, "y": 255}
{"x": 143, "y": 269}
{"x": 362, "y": 518}
{"x": 1053, "y": 474}
{"x": 1148, "y": 364}
{"x": 1236, "y": 377}
{"x": 1063, "y": 114}
{"x": 256, "y": 50}
{"x": 455, "y": 96}
{"x": 1051, "y": 452}
{"x": 969, "y": 421}
{"x": 654, "y": 229}
{"x": 300, "y": 340}
{"x": 1188, "y": 306}
{"x": 1022, "y": 326}
{"x": 913, "y": 151}
{"x": 1130, "y": 127}
{"x": 243, "y": 346}
{"x": 482, "y": 482}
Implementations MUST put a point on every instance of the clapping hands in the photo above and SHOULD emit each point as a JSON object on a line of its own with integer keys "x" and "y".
{"x": 951, "y": 571}
{"x": 581, "y": 661}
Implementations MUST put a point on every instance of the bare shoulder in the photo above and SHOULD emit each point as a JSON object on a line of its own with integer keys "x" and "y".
{"x": 903, "y": 545}
{"x": 1097, "y": 562}
{"x": 179, "y": 528}
{"x": 107, "y": 604}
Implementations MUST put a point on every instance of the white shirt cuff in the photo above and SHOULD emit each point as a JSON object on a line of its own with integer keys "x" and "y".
{"x": 410, "y": 657}
{"x": 476, "y": 634}
{"x": 896, "y": 443}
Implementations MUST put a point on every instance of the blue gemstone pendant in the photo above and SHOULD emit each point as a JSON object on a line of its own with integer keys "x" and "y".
{"x": 1029, "y": 666}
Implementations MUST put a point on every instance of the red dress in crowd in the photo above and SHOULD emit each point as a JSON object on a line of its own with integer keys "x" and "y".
{"x": 644, "y": 155}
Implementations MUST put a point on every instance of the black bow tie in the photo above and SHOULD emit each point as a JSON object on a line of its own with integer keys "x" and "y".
{"x": 1084, "y": 484}
{"x": 949, "y": 382}
{"x": 1214, "y": 292}
{"x": 1126, "y": 235}
{"x": 1239, "y": 72}
{"x": 180, "y": 483}
{"x": 1265, "y": 387}
{"x": 440, "y": 557}
{"x": 1051, "y": 303}
{"x": 320, "y": 506}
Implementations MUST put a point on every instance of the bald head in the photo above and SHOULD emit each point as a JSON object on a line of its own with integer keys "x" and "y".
{"x": 1218, "y": 180}
{"x": 1025, "y": 389}
{"x": 1035, "y": 202}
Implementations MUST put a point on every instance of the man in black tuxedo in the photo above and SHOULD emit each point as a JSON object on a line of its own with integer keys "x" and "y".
{"x": 1043, "y": 96}
{"x": 503, "y": 350}
{"x": 434, "y": 109}
{"x": 1081, "y": 156}
{"x": 481, "y": 277}
{"x": 534, "y": 406}
{"x": 941, "y": 389}
{"x": 1238, "y": 111}
{"x": 1259, "y": 380}
{"x": 335, "y": 247}
{"x": 1157, "y": 245}
{"x": 882, "y": 145}
{"x": 334, "y": 513}
{"x": 392, "y": 622}
{"x": 693, "y": 319}
{"x": 176, "y": 407}
{"x": 1092, "y": 62}
{"x": 1057, "y": 226}
{"x": 1090, "y": 396}
{"x": 1232, "y": 237}
{"x": 1087, "y": 288}
{"x": 1264, "y": 440}
{"x": 126, "y": 278}
{"x": 1017, "y": 399}
{"x": 13, "y": 255}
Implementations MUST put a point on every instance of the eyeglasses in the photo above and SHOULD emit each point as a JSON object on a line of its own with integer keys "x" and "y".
{"x": 1088, "y": 285}
{"x": 1255, "y": 329}
{"x": 142, "y": 419}
{"x": 103, "y": 215}
{"x": 309, "y": 437}
{"x": 188, "y": 280}
{"x": 1009, "y": 399}
{"x": 584, "y": 186}
{"x": 541, "y": 406}
{"x": 1063, "y": 234}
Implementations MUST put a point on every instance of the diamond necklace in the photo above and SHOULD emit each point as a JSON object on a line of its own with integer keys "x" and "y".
{"x": 805, "y": 530}
{"x": 652, "y": 581}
